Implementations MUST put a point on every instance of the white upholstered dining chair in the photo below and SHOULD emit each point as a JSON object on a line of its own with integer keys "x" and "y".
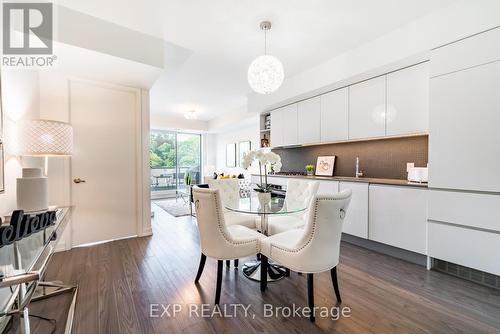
{"x": 230, "y": 194}
{"x": 218, "y": 240}
{"x": 298, "y": 193}
{"x": 314, "y": 248}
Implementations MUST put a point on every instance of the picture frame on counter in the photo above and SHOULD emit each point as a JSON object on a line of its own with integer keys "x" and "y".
{"x": 231, "y": 155}
{"x": 325, "y": 165}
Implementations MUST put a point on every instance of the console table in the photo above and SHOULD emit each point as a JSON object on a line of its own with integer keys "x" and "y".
{"x": 22, "y": 268}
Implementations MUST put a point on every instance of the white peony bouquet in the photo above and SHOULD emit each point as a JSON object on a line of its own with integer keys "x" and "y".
{"x": 268, "y": 161}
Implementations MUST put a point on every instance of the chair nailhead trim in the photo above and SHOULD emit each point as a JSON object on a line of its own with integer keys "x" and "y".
{"x": 224, "y": 235}
{"x": 313, "y": 226}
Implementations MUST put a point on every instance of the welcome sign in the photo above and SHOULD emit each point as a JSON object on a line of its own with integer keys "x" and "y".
{"x": 23, "y": 225}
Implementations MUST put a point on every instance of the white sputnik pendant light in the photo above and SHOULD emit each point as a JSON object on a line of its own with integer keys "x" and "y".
{"x": 265, "y": 74}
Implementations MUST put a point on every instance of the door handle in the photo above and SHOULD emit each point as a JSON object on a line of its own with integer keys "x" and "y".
{"x": 78, "y": 180}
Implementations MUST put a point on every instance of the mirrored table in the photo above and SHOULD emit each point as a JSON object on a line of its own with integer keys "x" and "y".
{"x": 276, "y": 206}
{"x": 23, "y": 261}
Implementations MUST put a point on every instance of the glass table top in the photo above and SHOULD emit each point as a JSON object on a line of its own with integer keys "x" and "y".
{"x": 277, "y": 206}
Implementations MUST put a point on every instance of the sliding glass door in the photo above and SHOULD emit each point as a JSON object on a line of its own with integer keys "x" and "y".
{"x": 174, "y": 158}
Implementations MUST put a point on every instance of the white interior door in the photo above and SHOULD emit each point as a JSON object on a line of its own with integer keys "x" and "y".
{"x": 105, "y": 157}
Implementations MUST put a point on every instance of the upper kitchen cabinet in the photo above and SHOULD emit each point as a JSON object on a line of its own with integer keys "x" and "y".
{"x": 469, "y": 52}
{"x": 408, "y": 101}
{"x": 464, "y": 129}
{"x": 367, "y": 108}
{"x": 335, "y": 115}
{"x": 309, "y": 119}
{"x": 277, "y": 127}
{"x": 290, "y": 125}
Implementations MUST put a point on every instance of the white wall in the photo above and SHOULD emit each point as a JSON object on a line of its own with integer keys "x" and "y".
{"x": 461, "y": 19}
{"x": 241, "y": 132}
{"x": 20, "y": 98}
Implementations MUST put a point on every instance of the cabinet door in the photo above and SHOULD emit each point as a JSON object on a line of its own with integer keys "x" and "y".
{"x": 367, "y": 109}
{"x": 277, "y": 128}
{"x": 328, "y": 187}
{"x": 464, "y": 129}
{"x": 356, "y": 220}
{"x": 408, "y": 100}
{"x": 290, "y": 125}
{"x": 335, "y": 115}
{"x": 309, "y": 114}
{"x": 466, "y": 53}
{"x": 398, "y": 217}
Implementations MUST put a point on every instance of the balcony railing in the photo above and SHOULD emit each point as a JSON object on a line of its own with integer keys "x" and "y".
{"x": 164, "y": 179}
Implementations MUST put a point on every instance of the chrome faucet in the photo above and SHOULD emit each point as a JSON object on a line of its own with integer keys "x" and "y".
{"x": 358, "y": 172}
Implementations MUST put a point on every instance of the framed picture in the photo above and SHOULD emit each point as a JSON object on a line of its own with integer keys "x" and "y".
{"x": 325, "y": 165}
{"x": 231, "y": 155}
{"x": 244, "y": 147}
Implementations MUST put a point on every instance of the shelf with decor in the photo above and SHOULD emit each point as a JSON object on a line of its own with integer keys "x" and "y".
{"x": 265, "y": 130}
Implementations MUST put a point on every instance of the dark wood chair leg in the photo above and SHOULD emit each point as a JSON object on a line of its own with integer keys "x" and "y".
{"x": 228, "y": 263}
{"x": 287, "y": 272}
{"x": 236, "y": 262}
{"x": 203, "y": 259}
{"x": 263, "y": 272}
{"x": 310, "y": 295}
{"x": 220, "y": 265}
{"x": 258, "y": 257}
{"x": 336, "y": 284}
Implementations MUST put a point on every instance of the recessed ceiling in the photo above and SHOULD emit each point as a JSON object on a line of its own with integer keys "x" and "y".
{"x": 223, "y": 37}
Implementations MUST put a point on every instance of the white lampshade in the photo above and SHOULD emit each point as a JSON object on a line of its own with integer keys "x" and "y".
{"x": 44, "y": 137}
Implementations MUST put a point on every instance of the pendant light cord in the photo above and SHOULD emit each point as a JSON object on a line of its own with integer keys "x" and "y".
{"x": 265, "y": 41}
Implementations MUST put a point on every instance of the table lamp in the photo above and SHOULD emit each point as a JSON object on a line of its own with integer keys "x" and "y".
{"x": 42, "y": 138}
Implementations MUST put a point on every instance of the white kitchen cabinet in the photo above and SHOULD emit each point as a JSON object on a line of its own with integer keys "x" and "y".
{"x": 367, "y": 108}
{"x": 335, "y": 115}
{"x": 476, "y": 50}
{"x": 309, "y": 114}
{"x": 356, "y": 219}
{"x": 277, "y": 127}
{"x": 464, "y": 129}
{"x": 398, "y": 217}
{"x": 408, "y": 100}
{"x": 468, "y": 247}
{"x": 328, "y": 187}
{"x": 290, "y": 125}
{"x": 475, "y": 210}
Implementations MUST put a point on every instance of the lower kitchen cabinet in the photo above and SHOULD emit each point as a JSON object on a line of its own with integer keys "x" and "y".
{"x": 328, "y": 187}
{"x": 398, "y": 216}
{"x": 356, "y": 219}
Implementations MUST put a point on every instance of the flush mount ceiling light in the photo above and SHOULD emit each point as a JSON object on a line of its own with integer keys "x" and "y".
{"x": 191, "y": 114}
{"x": 265, "y": 73}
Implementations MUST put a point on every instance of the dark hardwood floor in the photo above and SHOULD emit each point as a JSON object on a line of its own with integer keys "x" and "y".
{"x": 119, "y": 280}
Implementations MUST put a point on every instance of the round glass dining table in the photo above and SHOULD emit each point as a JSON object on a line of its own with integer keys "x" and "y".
{"x": 252, "y": 206}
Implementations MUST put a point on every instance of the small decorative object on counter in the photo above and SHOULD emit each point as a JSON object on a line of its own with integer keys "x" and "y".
{"x": 264, "y": 142}
{"x": 267, "y": 162}
{"x": 310, "y": 170}
{"x": 241, "y": 176}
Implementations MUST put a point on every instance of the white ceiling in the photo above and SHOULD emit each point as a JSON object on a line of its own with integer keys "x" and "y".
{"x": 222, "y": 38}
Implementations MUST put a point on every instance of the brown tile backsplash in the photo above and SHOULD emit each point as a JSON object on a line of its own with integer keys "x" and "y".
{"x": 384, "y": 158}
